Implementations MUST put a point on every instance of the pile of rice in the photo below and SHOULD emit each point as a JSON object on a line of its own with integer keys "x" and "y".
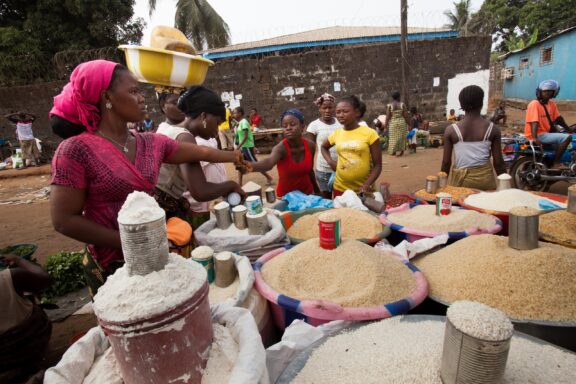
{"x": 456, "y": 192}
{"x": 352, "y": 275}
{"x": 423, "y": 217}
{"x": 534, "y": 285}
{"x": 559, "y": 226}
{"x": 504, "y": 201}
{"x": 355, "y": 224}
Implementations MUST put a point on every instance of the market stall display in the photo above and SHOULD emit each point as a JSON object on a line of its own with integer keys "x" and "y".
{"x": 456, "y": 192}
{"x": 559, "y": 227}
{"x": 303, "y": 225}
{"x": 408, "y": 349}
{"x": 422, "y": 221}
{"x": 353, "y": 282}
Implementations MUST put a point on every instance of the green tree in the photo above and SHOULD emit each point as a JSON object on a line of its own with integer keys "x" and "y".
{"x": 200, "y": 23}
{"x": 459, "y": 17}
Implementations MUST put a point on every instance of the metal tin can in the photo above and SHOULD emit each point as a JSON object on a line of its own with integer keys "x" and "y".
{"x": 222, "y": 213}
{"x": 270, "y": 195}
{"x": 442, "y": 179}
{"x": 523, "y": 228}
{"x": 254, "y": 205}
{"x": 572, "y": 199}
{"x": 205, "y": 255}
{"x": 443, "y": 204}
{"x": 330, "y": 233}
{"x": 431, "y": 184}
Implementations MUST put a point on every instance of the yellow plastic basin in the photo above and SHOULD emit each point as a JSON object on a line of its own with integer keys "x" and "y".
{"x": 168, "y": 68}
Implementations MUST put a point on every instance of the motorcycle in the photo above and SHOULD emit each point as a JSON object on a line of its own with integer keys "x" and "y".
{"x": 531, "y": 167}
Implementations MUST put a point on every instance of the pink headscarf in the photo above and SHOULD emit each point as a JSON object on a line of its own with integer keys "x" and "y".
{"x": 78, "y": 102}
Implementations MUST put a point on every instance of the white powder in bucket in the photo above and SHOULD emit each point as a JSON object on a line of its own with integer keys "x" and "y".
{"x": 503, "y": 201}
{"x": 239, "y": 208}
{"x": 202, "y": 252}
{"x": 139, "y": 208}
{"x": 222, "y": 205}
{"x": 480, "y": 321}
{"x": 131, "y": 298}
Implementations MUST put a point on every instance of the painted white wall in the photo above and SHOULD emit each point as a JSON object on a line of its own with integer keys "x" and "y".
{"x": 455, "y": 85}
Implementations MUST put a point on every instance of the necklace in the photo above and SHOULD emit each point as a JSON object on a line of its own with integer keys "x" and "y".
{"x": 124, "y": 147}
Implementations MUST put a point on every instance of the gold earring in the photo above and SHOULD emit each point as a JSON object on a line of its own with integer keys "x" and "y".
{"x": 108, "y": 105}
{"x": 204, "y": 123}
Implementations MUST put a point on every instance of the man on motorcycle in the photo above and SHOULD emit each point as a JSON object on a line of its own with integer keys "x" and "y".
{"x": 542, "y": 116}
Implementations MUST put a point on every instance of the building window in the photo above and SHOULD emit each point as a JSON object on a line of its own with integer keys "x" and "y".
{"x": 546, "y": 55}
{"x": 524, "y": 62}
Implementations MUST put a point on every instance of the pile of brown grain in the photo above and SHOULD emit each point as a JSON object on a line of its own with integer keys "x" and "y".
{"x": 424, "y": 218}
{"x": 352, "y": 275}
{"x": 559, "y": 225}
{"x": 536, "y": 284}
{"x": 456, "y": 192}
{"x": 355, "y": 224}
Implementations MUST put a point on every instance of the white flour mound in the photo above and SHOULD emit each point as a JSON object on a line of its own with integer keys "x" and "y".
{"x": 222, "y": 358}
{"x": 104, "y": 370}
{"x": 504, "y": 201}
{"x": 130, "y": 298}
{"x": 139, "y": 208}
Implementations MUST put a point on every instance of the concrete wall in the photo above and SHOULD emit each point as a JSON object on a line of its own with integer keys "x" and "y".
{"x": 274, "y": 83}
{"x": 525, "y": 80}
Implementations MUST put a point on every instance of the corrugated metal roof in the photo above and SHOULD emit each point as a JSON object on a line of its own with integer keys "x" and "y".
{"x": 337, "y": 34}
{"x": 536, "y": 43}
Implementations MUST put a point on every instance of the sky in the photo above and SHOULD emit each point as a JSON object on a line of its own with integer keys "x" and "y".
{"x": 251, "y": 20}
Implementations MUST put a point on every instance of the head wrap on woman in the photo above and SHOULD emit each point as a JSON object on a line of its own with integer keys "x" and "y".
{"x": 293, "y": 112}
{"x": 323, "y": 98}
{"x": 78, "y": 101}
{"x": 198, "y": 99}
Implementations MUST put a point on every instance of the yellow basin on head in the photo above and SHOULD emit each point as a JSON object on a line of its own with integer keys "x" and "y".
{"x": 168, "y": 68}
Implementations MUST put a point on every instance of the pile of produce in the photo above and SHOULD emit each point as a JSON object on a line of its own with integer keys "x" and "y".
{"x": 456, "y": 192}
{"x": 352, "y": 275}
{"x": 396, "y": 350}
{"x": 503, "y": 201}
{"x": 526, "y": 285}
{"x": 355, "y": 224}
{"x": 558, "y": 226}
{"x": 423, "y": 217}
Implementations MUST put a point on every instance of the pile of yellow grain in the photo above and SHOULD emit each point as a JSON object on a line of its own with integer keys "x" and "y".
{"x": 559, "y": 225}
{"x": 538, "y": 284}
{"x": 352, "y": 275}
{"x": 354, "y": 224}
{"x": 456, "y": 192}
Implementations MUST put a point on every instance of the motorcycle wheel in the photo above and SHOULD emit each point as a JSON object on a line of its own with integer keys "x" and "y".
{"x": 519, "y": 168}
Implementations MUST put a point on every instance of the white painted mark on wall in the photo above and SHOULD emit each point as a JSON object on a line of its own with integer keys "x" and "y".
{"x": 299, "y": 91}
{"x": 337, "y": 87}
{"x": 458, "y": 82}
{"x": 286, "y": 91}
{"x": 436, "y": 82}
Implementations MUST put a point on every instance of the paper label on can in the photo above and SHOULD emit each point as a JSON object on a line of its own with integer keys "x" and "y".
{"x": 329, "y": 234}
{"x": 254, "y": 205}
{"x": 443, "y": 205}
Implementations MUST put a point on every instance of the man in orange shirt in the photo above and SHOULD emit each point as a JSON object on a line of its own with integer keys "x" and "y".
{"x": 541, "y": 115}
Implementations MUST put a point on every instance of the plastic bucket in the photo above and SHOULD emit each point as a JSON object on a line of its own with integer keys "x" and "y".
{"x": 412, "y": 235}
{"x": 504, "y": 216}
{"x": 286, "y": 309}
{"x": 156, "y": 347}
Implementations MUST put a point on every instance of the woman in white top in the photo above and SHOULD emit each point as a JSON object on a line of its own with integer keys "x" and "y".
{"x": 473, "y": 140}
{"x": 318, "y": 132}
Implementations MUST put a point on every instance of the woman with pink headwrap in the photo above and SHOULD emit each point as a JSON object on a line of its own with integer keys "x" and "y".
{"x": 93, "y": 172}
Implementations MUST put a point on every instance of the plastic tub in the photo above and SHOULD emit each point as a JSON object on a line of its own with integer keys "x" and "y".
{"x": 412, "y": 200}
{"x": 155, "y": 347}
{"x": 288, "y": 219}
{"x": 285, "y": 309}
{"x": 417, "y": 234}
{"x": 504, "y": 216}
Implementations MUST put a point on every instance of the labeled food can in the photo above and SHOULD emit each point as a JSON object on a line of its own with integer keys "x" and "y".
{"x": 204, "y": 255}
{"x": 330, "y": 231}
{"x": 270, "y": 195}
{"x": 443, "y": 204}
{"x": 254, "y": 205}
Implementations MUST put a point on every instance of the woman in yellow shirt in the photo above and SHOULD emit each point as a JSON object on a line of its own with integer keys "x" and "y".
{"x": 359, "y": 161}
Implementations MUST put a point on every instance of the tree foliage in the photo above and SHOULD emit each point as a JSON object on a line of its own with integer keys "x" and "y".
{"x": 510, "y": 21}
{"x": 32, "y": 31}
{"x": 459, "y": 17}
{"x": 203, "y": 26}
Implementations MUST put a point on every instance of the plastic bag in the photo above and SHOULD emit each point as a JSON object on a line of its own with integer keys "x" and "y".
{"x": 246, "y": 277}
{"x": 546, "y": 205}
{"x": 410, "y": 250}
{"x": 297, "y": 337}
{"x": 250, "y": 366}
{"x": 349, "y": 199}
{"x": 298, "y": 201}
{"x": 276, "y": 234}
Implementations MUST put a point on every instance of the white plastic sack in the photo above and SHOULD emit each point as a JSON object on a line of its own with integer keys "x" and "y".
{"x": 239, "y": 243}
{"x": 297, "y": 337}
{"x": 349, "y": 199}
{"x": 246, "y": 277}
{"x": 250, "y": 365}
{"x": 410, "y": 250}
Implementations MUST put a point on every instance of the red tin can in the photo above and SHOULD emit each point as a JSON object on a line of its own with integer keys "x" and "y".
{"x": 329, "y": 224}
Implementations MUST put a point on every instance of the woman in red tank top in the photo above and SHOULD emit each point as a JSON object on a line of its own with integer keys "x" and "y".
{"x": 294, "y": 157}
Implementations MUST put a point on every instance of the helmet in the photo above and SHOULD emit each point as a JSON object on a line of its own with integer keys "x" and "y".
{"x": 548, "y": 85}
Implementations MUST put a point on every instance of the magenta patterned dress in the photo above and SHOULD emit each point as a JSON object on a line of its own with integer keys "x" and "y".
{"x": 90, "y": 162}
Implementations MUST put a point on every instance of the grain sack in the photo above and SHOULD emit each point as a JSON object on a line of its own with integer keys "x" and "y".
{"x": 352, "y": 275}
{"x": 403, "y": 350}
{"x": 355, "y": 224}
{"x": 527, "y": 285}
{"x": 423, "y": 217}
